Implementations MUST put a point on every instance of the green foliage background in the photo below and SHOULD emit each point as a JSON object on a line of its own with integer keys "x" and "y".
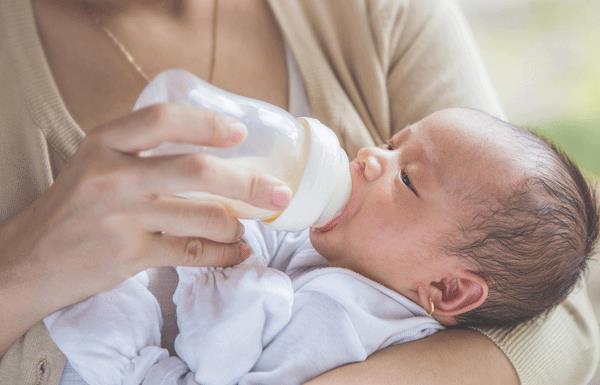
{"x": 543, "y": 57}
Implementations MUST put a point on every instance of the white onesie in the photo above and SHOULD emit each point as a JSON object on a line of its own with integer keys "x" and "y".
{"x": 281, "y": 317}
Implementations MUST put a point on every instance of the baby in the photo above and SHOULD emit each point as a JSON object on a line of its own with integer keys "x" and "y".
{"x": 460, "y": 220}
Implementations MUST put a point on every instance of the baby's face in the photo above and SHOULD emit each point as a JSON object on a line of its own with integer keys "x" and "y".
{"x": 409, "y": 197}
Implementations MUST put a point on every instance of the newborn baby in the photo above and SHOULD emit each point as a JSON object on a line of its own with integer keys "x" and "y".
{"x": 460, "y": 220}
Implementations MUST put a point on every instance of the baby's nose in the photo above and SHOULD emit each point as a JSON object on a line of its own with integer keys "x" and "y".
{"x": 372, "y": 162}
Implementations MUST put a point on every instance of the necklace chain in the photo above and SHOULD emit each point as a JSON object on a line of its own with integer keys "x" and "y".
{"x": 138, "y": 68}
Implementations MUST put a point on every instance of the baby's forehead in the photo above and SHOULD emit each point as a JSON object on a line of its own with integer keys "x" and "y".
{"x": 446, "y": 129}
{"x": 469, "y": 150}
{"x": 462, "y": 127}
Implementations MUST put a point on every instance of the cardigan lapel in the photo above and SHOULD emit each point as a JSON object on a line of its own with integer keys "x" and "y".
{"x": 328, "y": 97}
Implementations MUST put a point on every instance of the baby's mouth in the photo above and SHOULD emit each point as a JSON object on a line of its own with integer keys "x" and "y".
{"x": 328, "y": 226}
{"x": 356, "y": 169}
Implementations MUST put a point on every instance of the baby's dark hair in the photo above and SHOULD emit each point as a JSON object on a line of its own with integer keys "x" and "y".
{"x": 533, "y": 245}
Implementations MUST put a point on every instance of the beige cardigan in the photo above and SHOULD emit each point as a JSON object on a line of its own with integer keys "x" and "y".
{"x": 369, "y": 68}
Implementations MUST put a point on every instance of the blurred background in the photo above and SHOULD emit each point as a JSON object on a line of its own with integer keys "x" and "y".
{"x": 544, "y": 60}
{"x": 543, "y": 57}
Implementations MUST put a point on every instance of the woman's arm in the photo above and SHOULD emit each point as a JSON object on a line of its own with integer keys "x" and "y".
{"x": 452, "y": 357}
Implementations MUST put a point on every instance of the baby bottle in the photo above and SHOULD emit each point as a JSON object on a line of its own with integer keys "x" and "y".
{"x": 303, "y": 153}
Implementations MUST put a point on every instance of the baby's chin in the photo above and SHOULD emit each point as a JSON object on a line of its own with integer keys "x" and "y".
{"x": 317, "y": 240}
{"x": 324, "y": 244}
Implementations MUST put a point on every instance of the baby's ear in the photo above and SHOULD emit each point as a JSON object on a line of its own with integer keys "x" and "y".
{"x": 455, "y": 295}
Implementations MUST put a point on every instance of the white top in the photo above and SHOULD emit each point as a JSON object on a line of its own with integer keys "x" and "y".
{"x": 282, "y": 316}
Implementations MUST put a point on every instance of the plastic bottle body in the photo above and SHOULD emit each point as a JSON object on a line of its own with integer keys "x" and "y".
{"x": 276, "y": 144}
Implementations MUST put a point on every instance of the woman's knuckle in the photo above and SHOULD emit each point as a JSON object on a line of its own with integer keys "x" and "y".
{"x": 198, "y": 164}
{"x": 213, "y": 126}
{"x": 216, "y": 217}
{"x": 255, "y": 188}
{"x": 158, "y": 114}
{"x": 193, "y": 251}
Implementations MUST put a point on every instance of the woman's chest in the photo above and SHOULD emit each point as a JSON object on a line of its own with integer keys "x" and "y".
{"x": 97, "y": 82}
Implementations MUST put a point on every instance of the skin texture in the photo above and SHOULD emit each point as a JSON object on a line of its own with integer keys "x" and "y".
{"x": 409, "y": 196}
{"x": 250, "y": 61}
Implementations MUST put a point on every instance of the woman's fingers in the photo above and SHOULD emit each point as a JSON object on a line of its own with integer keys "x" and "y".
{"x": 201, "y": 172}
{"x": 167, "y": 250}
{"x": 149, "y": 127}
{"x": 186, "y": 218}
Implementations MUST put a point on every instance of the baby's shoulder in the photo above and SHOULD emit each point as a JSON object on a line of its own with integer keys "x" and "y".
{"x": 349, "y": 287}
{"x": 378, "y": 315}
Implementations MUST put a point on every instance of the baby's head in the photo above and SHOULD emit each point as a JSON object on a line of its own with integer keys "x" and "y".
{"x": 487, "y": 220}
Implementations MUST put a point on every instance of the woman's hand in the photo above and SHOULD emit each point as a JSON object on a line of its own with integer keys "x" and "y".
{"x": 111, "y": 213}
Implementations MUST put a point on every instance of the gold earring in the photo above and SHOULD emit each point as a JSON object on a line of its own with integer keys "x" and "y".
{"x": 431, "y": 307}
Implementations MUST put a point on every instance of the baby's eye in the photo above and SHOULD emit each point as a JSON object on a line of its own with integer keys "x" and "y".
{"x": 389, "y": 146}
{"x": 405, "y": 179}
{"x": 408, "y": 183}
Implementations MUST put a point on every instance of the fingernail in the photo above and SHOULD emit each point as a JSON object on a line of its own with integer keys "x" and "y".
{"x": 281, "y": 196}
{"x": 237, "y": 131}
{"x": 245, "y": 251}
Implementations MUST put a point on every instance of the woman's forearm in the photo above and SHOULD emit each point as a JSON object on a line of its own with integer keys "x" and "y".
{"x": 452, "y": 357}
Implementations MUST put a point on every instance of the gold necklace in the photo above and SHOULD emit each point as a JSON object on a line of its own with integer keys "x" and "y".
{"x": 138, "y": 68}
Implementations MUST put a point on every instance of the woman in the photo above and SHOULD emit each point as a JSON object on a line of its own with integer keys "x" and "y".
{"x": 369, "y": 68}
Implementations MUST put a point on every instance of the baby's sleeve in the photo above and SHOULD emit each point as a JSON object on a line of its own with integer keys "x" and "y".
{"x": 113, "y": 337}
{"x": 264, "y": 241}
{"x": 226, "y": 316}
{"x": 286, "y": 251}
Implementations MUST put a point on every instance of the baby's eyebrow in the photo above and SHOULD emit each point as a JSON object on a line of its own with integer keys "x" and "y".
{"x": 401, "y": 135}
